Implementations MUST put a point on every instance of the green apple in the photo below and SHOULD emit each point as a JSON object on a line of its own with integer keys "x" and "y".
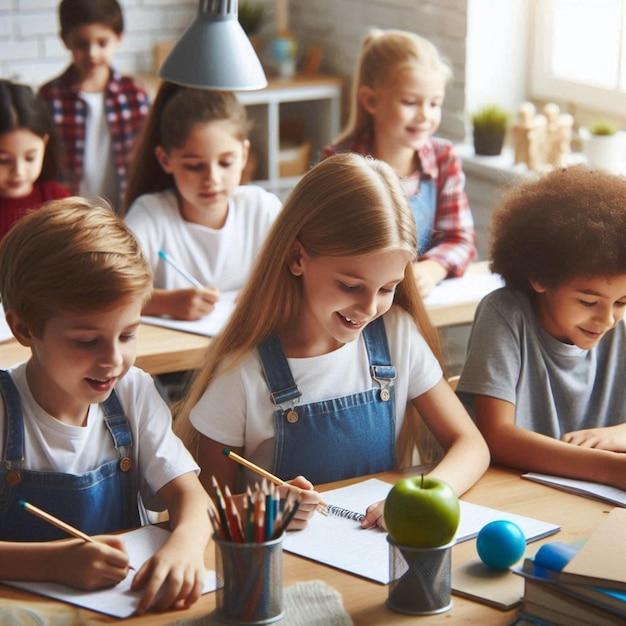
{"x": 422, "y": 512}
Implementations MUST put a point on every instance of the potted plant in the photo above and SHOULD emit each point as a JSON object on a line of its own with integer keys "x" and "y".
{"x": 250, "y": 15}
{"x": 489, "y": 124}
{"x": 603, "y": 145}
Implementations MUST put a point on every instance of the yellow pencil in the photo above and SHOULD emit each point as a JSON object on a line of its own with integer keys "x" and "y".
{"x": 55, "y": 521}
{"x": 322, "y": 506}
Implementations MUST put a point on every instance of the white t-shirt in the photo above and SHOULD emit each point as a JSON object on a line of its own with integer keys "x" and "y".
{"x": 221, "y": 258}
{"x": 237, "y": 410}
{"x": 99, "y": 175}
{"x": 50, "y": 445}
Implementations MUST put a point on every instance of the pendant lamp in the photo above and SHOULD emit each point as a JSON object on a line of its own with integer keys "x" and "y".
{"x": 214, "y": 52}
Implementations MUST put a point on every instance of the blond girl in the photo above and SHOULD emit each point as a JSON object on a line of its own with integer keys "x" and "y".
{"x": 328, "y": 344}
{"x": 397, "y": 96}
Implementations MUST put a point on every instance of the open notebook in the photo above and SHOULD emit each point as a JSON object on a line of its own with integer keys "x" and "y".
{"x": 581, "y": 488}
{"x": 118, "y": 601}
{"x": 341, "y": 543}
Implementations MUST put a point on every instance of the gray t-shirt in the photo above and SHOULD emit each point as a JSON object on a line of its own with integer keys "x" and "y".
{"x": 555, "y": 387}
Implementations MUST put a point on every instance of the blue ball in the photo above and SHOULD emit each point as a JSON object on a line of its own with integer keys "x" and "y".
{"x": 500, "y": 544}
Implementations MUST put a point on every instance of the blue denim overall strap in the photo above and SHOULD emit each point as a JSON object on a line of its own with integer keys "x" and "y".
{"x": 100, "y": 501}
{"x": 424, "y": 205}
{"x": 339, "y": 438}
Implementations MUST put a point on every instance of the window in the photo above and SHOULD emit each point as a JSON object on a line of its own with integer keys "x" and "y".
{"x": 579, "y": 53}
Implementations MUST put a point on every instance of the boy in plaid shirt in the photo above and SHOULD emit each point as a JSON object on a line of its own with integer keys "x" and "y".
{"x": 97, "y": 111}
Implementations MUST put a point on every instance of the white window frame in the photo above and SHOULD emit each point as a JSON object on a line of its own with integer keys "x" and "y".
{"x": 545, "y": 86}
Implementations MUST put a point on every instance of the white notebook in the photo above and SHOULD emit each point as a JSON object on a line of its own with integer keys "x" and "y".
{"x": 118, "y": 601}
{"x": 581, "y": 488}
{"x": 341, "y": 543}
{"x": 210, "y": 325}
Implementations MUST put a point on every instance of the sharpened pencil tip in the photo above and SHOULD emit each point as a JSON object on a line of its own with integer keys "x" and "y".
{"x": 22, "y": 503}
{"x": 226, "y": 451}
{"x": 162, "y": 254}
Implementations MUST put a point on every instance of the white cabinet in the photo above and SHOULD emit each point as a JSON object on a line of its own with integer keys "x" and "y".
{"x": 310, "y": 103}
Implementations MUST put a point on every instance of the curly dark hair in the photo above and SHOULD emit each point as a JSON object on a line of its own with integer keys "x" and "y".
{"x": 568, "y": 223}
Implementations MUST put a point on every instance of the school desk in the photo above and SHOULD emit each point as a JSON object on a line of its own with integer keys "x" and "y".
{"x": 364, "y": 600}
{"x": 161, "y": 350}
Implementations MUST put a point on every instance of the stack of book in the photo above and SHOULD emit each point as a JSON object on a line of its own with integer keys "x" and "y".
{"x": 584, "y": 586}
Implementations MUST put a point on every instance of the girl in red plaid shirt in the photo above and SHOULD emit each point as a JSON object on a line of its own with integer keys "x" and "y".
{"x": 398, "y": 92}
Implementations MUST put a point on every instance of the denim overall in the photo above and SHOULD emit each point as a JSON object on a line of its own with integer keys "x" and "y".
{"x": 424, "y": 205}
{"x": 339, "y": 438}
{"x": 103, "y": 500}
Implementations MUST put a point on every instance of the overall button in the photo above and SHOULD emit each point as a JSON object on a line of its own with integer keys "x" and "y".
{"x": 125, "y": 464}
{"x": 384, "y": 395}
{"x": 292, "y": 417}
{"x": 13, "y": 477}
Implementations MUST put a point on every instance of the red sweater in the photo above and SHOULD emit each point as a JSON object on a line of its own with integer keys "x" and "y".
{"x": 11, "y": 209}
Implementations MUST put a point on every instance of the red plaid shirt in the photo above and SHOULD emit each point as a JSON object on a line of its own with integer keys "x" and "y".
{"x": 126, "y": 106}
{"x": 454, "y": 238}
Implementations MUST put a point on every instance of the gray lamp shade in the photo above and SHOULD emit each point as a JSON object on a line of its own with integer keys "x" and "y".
{"x": 214, "y": 52}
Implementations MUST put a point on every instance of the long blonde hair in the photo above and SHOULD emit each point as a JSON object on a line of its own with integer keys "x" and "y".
{"x": 347, "y": 205}
{"x": 382, "y": 54}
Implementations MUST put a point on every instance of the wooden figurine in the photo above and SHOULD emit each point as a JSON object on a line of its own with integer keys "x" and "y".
{"x": 558, "y": 136}
{"x": 529, "y": 137}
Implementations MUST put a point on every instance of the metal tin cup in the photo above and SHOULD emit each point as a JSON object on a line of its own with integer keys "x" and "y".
{"x": 249, "y": 581}
{"x": 420, "y": 579}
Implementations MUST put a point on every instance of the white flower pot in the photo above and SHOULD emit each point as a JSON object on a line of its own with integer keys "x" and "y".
{"x": 605, "y": 152}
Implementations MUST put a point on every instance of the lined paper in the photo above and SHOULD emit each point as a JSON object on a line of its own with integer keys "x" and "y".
{"x": 341, "y": 543}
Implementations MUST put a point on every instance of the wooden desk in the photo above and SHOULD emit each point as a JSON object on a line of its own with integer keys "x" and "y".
{"x": 460, "y": 312}
{"x": 364, "y": 600}
{"x": 159, "y": 350}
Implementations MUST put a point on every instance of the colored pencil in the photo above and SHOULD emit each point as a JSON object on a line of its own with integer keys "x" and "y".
{"x": 181, "y": 270}
{"x": 55, "y": 521}
{"x": 322, "y": 506}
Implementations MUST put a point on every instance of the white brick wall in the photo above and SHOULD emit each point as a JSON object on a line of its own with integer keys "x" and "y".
{"x": 31, "y": 51}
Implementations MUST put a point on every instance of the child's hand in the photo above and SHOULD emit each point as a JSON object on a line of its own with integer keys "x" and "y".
{"x": 193, "y": 304}
{"x": 427, "y": 274}
{"x": 308, "y": 505}
{"x": 611, "y": 438}
{"x": 90, "y": 566}
{"x": 173, "y": 577}
{"x": 374, "y": 516}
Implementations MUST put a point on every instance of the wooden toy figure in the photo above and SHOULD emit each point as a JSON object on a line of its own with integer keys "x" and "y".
{"x": 558, "y": 136}
{"x": 529, "y": 137}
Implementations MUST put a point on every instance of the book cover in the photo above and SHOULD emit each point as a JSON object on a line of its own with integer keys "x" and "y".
{"x": 476, "y": 581}
{"x": 600, "y": 561}
{"x": 548, "y": 601}
{"x": 607, "y": 599}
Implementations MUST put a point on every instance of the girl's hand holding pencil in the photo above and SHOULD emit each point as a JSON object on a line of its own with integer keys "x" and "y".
{"x": 310, "y": 500}
{"x": 188, "y": 304}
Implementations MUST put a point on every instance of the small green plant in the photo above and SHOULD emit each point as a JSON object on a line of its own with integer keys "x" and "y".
{"x": 490, "y": 117}
{"x": 251, "y": 16}
{"x": 602, "y": 128}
